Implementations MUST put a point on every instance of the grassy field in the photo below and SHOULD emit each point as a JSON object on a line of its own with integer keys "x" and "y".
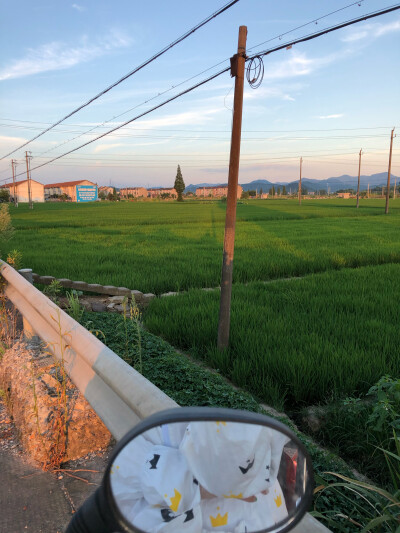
{"x": 295, "y": 342}
{"x": 158, "y": 247}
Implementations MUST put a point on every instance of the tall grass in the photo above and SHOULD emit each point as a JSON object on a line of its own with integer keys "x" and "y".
{"x": 295, "y": 342}
{"x": 158, "y": 247}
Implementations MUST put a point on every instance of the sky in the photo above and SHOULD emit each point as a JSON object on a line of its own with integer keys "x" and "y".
{"x": 322, "y": 100}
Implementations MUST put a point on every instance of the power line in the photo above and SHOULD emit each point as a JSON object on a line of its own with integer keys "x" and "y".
{"x": 192, "y": 77}
{"x": 306, "y": 24}
{"x": 210, "y": 78}
{"x": 214, "y": 76}
{"x": 132, "y": 72}
{"x": 190, "y": 131}
{"x": 327, "y": 30}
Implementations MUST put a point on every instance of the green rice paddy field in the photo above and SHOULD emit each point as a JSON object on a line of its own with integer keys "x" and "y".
{"x": 333, "y": 332}
{"x": 159, "y": 247}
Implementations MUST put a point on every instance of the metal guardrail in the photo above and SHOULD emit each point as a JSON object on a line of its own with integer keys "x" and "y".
{"x": 118, "y": 393}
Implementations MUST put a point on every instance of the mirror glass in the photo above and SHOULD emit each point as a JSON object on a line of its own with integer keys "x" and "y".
{"x": 209, "y": 476}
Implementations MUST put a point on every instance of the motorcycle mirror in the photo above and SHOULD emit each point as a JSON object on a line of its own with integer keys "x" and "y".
{"x": 198, "y": 470}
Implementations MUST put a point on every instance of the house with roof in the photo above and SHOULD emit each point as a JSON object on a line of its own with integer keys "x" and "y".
{"x": 19, "y": 191}
{"x": 77, "y": 191}
{"x": 216, "y": 191}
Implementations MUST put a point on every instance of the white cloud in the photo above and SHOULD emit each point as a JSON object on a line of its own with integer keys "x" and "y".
{"x": 298, "y": 64}
{"x": 338, "y": 115}
{"x": 8, "y": 140}
{"x": 191, "y": 118}
{"x": 372, "y": 31}
{"x": 58, "y": 56}
{"x": 78, "y": 7}
{"x": 111, "y": 146}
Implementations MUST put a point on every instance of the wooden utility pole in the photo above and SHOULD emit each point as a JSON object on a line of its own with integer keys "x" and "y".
{"x": 13, "y": 165}
{"x": 358, "y": 185}
{"x": 237, "y": 70}
{"x": 389, "y": 169}
{"x": 301, "y": 164}
{"x": 28, "y": 177}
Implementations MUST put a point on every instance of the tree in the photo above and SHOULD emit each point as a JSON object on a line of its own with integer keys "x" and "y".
{"x": 284, "y": 193}
{"x": 245, "y": 195}
{"x": 4, "y": 195}
{"x": 261, "y": 193}
{"x": 102, "y": 195}
{"x": 179, "y": 184}
{"x": 279, "y": 191}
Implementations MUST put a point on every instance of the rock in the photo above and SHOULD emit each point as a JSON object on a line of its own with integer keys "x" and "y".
{"x": 66, "y": 283}
{"x": 110, "y": 307}
{"x": 85, "y": 431}
{"x": 169, "y": 294}
{"x": 94, "y": 287}
{"x": 99, "y": 307}
{"x": 119, "y": 308}
{"x": 123, "y": 291}
{"x": 45, "y": 280}
{"x": 86, "y": 305}
{"x": 137, "y": 296}
{"x": 148, "y": 297}
{"x": 109, "y": 289}
{"x": 116, "y": 299}
{"x": 79, "y": 285}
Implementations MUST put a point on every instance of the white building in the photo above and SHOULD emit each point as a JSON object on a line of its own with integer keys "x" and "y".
{"x": 21, "y": 191}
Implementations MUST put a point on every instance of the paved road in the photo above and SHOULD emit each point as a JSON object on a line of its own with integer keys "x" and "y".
{"x": 35, "y": 501}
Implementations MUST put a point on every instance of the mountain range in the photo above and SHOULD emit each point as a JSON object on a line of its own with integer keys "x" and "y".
{"x": 332, "y": 184}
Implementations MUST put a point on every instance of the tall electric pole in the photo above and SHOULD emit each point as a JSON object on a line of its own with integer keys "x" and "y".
{"x": 28, "y": 177}
{"x": 301, "y": 164}
{"x": 14, "y": 166}
{"x": 389, "y": 169}
{"x": 358, "y": 185}
{"x": 237, "y": 70}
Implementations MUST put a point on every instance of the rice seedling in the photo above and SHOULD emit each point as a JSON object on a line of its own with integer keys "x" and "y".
{"x": 298, "y": 341}
{"x": 155, "y": 247}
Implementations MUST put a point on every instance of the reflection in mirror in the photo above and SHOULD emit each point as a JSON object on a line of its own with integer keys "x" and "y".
{"x": 209, "y": 476}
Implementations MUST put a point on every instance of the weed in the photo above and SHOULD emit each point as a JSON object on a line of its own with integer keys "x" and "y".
{"x": 53, "y": 290}
{"x": 14, "y": 259}
{"x": 382, "y": 511}
{"x": 74, "y": 309}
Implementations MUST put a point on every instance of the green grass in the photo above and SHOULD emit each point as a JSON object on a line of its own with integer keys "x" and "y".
{"x": 190, "y": 385}
{"x": 158, "y": 247}
{"x": 299, "y": 341}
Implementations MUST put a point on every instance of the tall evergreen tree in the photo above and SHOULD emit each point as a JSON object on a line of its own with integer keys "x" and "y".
{"x": 284, "y": 191}
{"x": 179, "y": 184}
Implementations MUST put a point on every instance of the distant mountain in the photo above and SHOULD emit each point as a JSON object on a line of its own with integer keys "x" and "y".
{"x": 332, "y": 184}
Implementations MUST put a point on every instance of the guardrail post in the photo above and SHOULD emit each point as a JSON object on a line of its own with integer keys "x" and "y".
{"x": 29, "y": 332}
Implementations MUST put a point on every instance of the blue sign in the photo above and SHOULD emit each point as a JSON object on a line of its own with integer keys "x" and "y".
{"x": 86, "y": 193}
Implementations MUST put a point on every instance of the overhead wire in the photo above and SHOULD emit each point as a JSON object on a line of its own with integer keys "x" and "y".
{"x": 312, "y": 36}
{"x": 213, "y": 131}
{"x": 196, "y": 75}
{"x": 314, "y": 21}
{"x": 215, "y": 75}
{"x": 132, "y": 72}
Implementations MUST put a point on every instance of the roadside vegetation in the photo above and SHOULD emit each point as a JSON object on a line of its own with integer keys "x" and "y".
{"x": 344, "y": 508}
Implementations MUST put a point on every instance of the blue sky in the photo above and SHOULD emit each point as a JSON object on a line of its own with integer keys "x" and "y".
{"x": 322, "y": 100}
